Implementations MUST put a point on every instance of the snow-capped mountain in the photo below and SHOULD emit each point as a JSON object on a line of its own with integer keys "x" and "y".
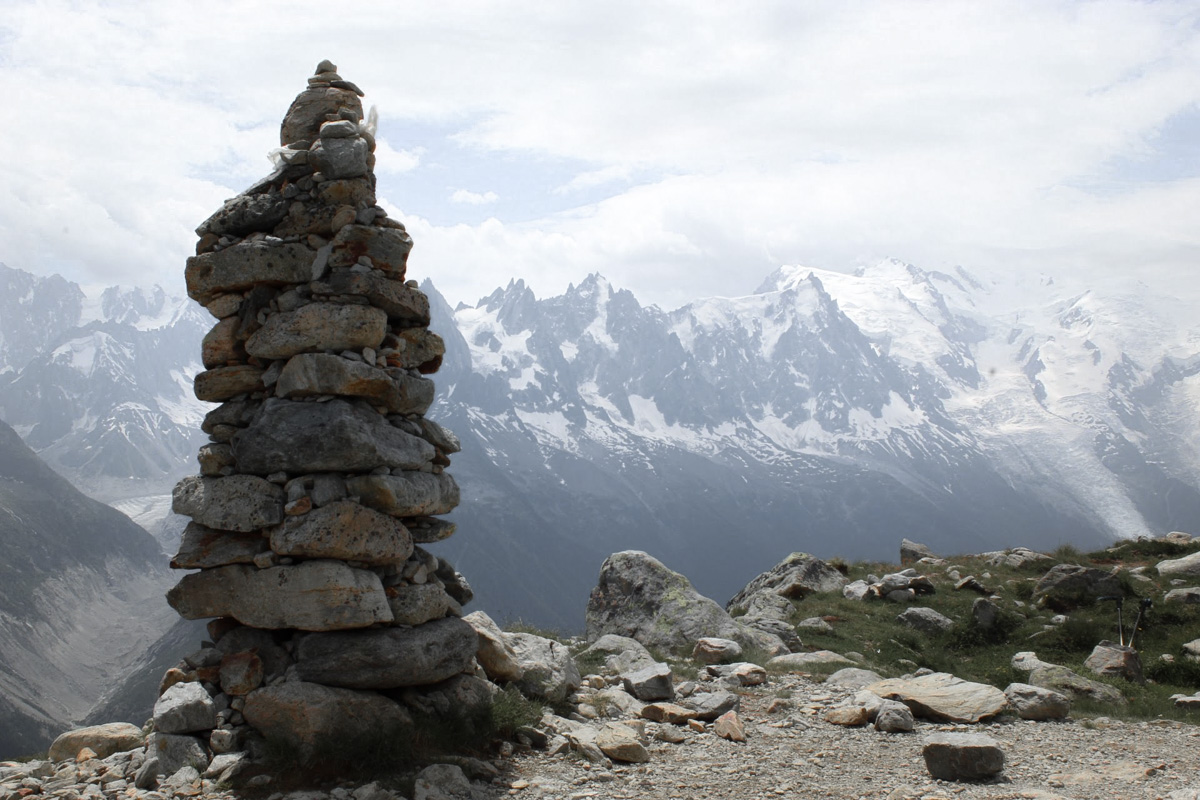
{"x": 828, "y": 412}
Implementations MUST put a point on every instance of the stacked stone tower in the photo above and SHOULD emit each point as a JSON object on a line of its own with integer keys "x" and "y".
{"x": 322, "y": 477}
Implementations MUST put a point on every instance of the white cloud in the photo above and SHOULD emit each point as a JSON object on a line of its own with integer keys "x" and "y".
{"x": 938, "y": 132}
{"x": 470, "y": 198}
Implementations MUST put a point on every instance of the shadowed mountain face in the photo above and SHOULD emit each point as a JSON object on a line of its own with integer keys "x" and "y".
{"x": 79, "y": 587}
{"x": 828, "y": 412}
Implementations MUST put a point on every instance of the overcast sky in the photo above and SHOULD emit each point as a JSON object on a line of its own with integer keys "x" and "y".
{"x": 681, "y": 149}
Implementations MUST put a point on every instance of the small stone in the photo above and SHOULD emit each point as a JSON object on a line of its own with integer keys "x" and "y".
{"x": 729, "y": 726}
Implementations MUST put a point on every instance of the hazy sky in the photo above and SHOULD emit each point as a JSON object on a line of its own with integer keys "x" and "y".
{"x": 681, "y": 149}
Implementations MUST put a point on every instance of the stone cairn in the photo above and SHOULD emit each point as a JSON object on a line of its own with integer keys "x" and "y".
{"x": 322, "y": 476}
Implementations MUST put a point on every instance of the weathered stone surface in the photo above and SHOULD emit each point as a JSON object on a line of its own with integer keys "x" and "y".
{"x": 387, "y": 248}
{"x": 667, "y": 712}
{"x": 317, "y": 327}
{"x": 710, "y": 705}
{"x": 185, "y": 708}
{"x": 344, "y": 530}
{"x": 925, "y": 619}
{"x": 638, "y": 597}
{"x": 312, "y": 720}
{"x": 798, "y": 575}
{"x": 417, "y": 604}
{"x": 1180, "y": 567}
{"x": 419, "y": 348}
{"x": 241, "y": 503}
{"x": 713, "y": 650}
{"x": 942, "y": 697}
{"x": 173, "y": 752}
{"x": 799, "y": 662}
{"x": 729, "y": 726}
{"x": 214, "y": 457}
{"x": 1113, "y": 660}
{"x": 247, "y": 213}
{"x": 962, "y": 756}
{"x": 494, "y": 654}
{"x": 1069, "y": 586}
{"x": 307, "y": 112}
{"x": 1034, "y": 702}
{"x": 742, "y": 673}
{"x": 312, "y": 596}
{"x": 620, "y": 743}
{"x": 443, "y": 782}
{"x": 314, "y": 374}
{"x": 549, "y": 671}
{"x": 893, "y": 717}
{"x": 407, "y": 495}
{"x": 246, "y": 265}
{"x": 299, "y": 438}
{"x": 404, "y": 305}
{"x": 387, "y": 658}
{"x": 911, "y": 552}
{"x": 1065, "y": 681}
{"x": 462, "y": 698}
{"x": 223, "y": 383}
{"x": 340, "y": 157}
{"x": 242, "y": 639}
{"x": 1015, "y": 558}
{"x": 202, "y": 547}
{"x": 985, "y": 613}
{"x": 241, "y": 673}
{"x": 848, "y": 716}
{"x": 221, "y": 345}
{"x": 651, "y": 683}
{"x": 1188, "y": 595}
{"x": 853, "y": 678}
{"x": 104, "y": 740}
{"x": 427, "y": 530}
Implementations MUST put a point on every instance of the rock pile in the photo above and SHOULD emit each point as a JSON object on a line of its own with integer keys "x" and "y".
{"x": 322, "y": 477}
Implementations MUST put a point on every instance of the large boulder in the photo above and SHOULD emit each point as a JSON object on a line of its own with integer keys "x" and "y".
{"x": 621, "y": 654}
{"x": 103, "y": 740}
{"x": 1065, "y": 681}
{"x": 493, "y": 653}
{"x": 312, "y": 720}
{"x": 911, "y": 552}
{"x": 1036, "y": 703}
{"x": 1069, "y": 586}
{"x": 638, "y": 597}
{"x": 185, "y": 708}
{"x": 925, "y": 619}
{"x": 801, "y": 662}
{"x": 1112, "y": 660}
{"x": 942, "y": 697}
{"x": 548, "y": 671}
{"x": 336, "y": 436}
{"x": 962, "y": 756}
{"x": 798, "y": 575}
{"x": 1186, "y": 566}
{"x": 388, "y": 658}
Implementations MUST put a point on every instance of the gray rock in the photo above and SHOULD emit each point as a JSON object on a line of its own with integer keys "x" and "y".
{"x": 242, "y": 639}
{"x": 246, "y": 265}
{"x": 346, "y": 531}
{"x": 409, "y": 494}
{"x": 1069, "y": 586}
{"x": 340, "y": 158}
{"x": 714, "y": 650}
{"x": 173, "y": 752}
{"x": 442, "y": 782}
{"x": 621, "y": 654}
{"x": 309, "y": 110}
{"x": 797, "y": 576}
{"x": 1014, "y": 558}
{"x": 739, "y": 674}
{"x": 1180, "y": 567}
{"x": 799, "y": 662}
{"x": 311, "y": 720}
{"x": 1187, "y": 595}
{"x": 314, "y": 374}
{"x": 317, "y": 327}
{"x": 1065, "y": 681}
{"x": 1036, "y": 703}
{"x": 985, "y": 613}
{"x": 387, "y": 658}
{"x": 911, "y": 552}
{"x": 853, "y": 678}
{"x": 185, "y": 708}
{"x": 893, "y": 717}
{"x": 941, "y": 697}
{"x": 417, "y": 604}
{"x": 925, "y": 619}
{"x": 494, "y": 654}
{"x": 201, "y": 548}
{"x": 147, "y": 774}
{"x": 241, "y": 503}
{"x": 313, "y": 595}
{"x": 962, "y": 756}
{"x": 620, "y": 743}
{"x": 386, "y": 248}
{"x": 710, "y": 705}
{"x": 104, "y": 740}
{"x": 247, "y": 213}
{"x": 815, "y": 624}
{"x": 638, "y": 597}
{"x": 1110, "y": 659}
{"x": 337, "y": 436}
{"x": 549, "y": 672}
{"x": 405, "y": 306}
{"x": 856, "y": 590}
{"x": 651, "y": 683}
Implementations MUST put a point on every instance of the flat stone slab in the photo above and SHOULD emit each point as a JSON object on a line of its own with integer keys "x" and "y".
{"x": 311, "y": 596}
{"x": 962, "y": 756}
{"x": 314, "y": 374}
{"x": 388, "y": 658}
{"x": 202, "y": 547}
{"x": 241, "y": 503}
{"x": 343, "y": 530}
{"x": 411, "y": 494}
{"x": 336, "y": 436}
{"x": 317, "y": 327}
{"x": 404, "y": 305}
{"x": 942, "y": 697}
{"x": 802, "y": 661}
{"x": 246, "y": 265}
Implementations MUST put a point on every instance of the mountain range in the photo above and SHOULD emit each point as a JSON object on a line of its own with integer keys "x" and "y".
{"x": 829, "y": 412}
